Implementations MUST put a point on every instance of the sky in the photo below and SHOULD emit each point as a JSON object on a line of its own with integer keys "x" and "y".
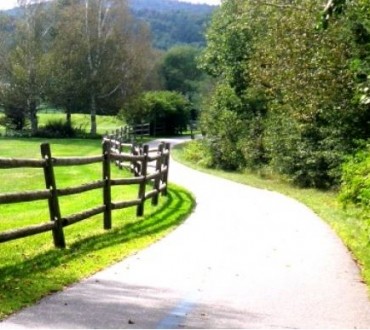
{"x": 7, "y": 4}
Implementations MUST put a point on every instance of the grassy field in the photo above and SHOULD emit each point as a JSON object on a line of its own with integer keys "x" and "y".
{"x": 31, "y": 268}
{"x": 353, "y": 232}
{"x": 104, "y": 123}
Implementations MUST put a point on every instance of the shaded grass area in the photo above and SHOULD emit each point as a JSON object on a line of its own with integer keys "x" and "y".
{"x": 345, "y": 222}
{"x": 79, "y": 120}
{"x": 31, "y": 268}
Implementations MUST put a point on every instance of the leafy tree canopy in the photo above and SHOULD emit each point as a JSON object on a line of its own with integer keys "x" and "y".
{"x": 300, "y": 91}
{"x": 179, "y": 70}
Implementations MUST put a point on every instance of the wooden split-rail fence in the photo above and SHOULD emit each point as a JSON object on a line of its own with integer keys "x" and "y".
{"x": 130, "y": 133}
{"x": 151, "y": 184}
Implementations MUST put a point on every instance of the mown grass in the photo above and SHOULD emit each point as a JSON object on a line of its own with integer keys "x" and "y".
{"x": 31, "y": 268}
{"x": 346, "y": 222}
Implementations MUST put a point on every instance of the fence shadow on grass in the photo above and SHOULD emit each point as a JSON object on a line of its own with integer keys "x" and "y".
{"x": 17, "y": 279}
{"x": 140, "y": 159}
{"x": 168, "y": 215}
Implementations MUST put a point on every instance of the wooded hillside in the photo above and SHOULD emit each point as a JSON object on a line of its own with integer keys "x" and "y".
{"x": 171, "y": 22}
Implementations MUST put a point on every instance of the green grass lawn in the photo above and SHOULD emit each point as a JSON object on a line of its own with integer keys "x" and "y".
{"x": 346, "y": 222}
{"x": 31, "y": 268}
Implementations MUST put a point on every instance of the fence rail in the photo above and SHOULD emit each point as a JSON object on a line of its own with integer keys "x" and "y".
{"x": 112, "y": 152}
{"x": 6, "y": 163}
{"x": 129, "y": 133}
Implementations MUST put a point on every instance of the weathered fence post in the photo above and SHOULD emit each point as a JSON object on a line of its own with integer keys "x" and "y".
{"x": 166, "y": 163}
{"x": 142, "y": 186}
{"x": 125, "y": 135}
{"x": 120, "y": 149}
{"x": 107, "y": 199}
{"x": 54, "y": 209}
{"x": 122, "y": 135}
{"x": 158, "y": 169}
{"x": 135, "y": 165}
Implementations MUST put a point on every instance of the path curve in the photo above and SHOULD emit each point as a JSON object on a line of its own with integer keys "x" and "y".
{"x": 245, "y": 258}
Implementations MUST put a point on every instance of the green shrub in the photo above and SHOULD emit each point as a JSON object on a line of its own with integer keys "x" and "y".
{"x": 253, "y": 144}
{"x": 59, "y": 129}
{"x": 224, "y": 128}
{"x": 167, "y": 112}
{"x": 304, "y": 152}
{"x": 15, "y": 118}
{"x": 198, "y": 153}
{"x": 355, "y": 187}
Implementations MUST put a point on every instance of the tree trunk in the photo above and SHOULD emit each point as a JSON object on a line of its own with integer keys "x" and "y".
{"x": 93, "y": 114}
{"x": 33, "y": 116}
{"x": 69, "y": 117}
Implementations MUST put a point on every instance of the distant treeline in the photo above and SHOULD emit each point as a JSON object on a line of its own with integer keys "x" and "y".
{"x": 171, "y": 22}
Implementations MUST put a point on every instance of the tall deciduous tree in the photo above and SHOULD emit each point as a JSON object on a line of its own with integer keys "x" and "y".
{"x": 108, "y": 56}
{"x": 67, "y": 84}
{"x": 180, "y": 71}
{"x": 233, "y": 113}
{"x": 228, "y": 46}
{"x": 25, "y": 71}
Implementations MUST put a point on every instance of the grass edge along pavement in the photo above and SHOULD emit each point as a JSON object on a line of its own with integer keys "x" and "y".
{"x": 345, "y": 222}
{"x": 38, "y": 270}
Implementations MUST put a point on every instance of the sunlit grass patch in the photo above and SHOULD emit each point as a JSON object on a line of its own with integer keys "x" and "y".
{"x": 31, "y": 268}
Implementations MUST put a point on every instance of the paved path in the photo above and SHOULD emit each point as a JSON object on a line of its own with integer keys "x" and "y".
{"x": 246, "y": 258}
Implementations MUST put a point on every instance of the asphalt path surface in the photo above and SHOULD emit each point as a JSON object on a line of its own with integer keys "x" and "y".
{"x": 245, "y": 258}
